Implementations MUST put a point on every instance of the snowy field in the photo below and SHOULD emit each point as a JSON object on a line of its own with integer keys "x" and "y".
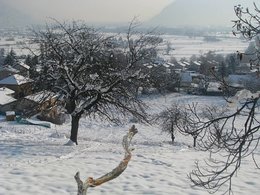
{"x": 34, "y": 160}
{"x": 16, "y": 43}
{"x": 185, "y": 47}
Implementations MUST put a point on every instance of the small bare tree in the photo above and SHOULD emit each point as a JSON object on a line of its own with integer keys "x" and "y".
{"x": 169, "y": 119}
{"x": 191, "y": 122}
{"x": 185, "y": 120}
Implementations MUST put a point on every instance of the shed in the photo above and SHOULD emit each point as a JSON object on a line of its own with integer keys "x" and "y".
{"x": 10, "y": 115}
{"x": 186, "y": 79}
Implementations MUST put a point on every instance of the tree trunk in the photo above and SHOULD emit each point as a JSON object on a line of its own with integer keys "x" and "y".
{"x": 172, "y": 133}
{"x": 194, "y": 141}
{"x": 74, "y": 128}
{"x": 173, "y": 138}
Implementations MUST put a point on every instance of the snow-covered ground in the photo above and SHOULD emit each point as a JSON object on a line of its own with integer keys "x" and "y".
{"x": 185, "y": 47}
{"x": 34, "y": 160}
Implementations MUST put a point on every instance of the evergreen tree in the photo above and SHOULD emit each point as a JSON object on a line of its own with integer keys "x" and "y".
{"x": 11, "y": 58}
{"x": 232, "y": 62}
{"x": 223, "y": 70}
{"x": 2, "y": 57}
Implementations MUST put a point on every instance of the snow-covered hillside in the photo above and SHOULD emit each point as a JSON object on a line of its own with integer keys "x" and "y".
{"x": 34, "y": 160}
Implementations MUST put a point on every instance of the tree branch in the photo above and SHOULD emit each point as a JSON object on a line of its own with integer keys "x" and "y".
{"x": 91, "y": 182}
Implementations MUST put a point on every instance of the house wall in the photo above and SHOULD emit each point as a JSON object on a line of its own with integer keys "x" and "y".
{"x": 27, "y": 106}
{"x": 23, "y": 71}
{"x": 8, "y": 107}
{"x": 20, "y": 106}
{"x": 20, "y": 90}
{"x": 5, "y": 74}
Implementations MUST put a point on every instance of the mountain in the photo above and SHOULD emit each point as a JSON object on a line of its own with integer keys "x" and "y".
{"x": 10, "y": 17}
{"x": 206, "y": 13}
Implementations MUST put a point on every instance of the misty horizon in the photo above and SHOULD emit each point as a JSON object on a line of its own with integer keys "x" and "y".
{"x": 165, "y": 13}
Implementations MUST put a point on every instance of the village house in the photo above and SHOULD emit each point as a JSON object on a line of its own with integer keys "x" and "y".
{"x": 28, "y": 105}
{"x": 35, "y": 103}
{"x": 7, "y": 102}
{"x": 23, "y": 69}
{"x": 18, "y": 83}
{"x": 189, "y": 77}
{"x": 6, "y": 71}
{"x": 249, "y": 81}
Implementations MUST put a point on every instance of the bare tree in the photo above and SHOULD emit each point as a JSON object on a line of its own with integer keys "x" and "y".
{"x": 234, "y": 142}
{"x": 91, "y": 74}
{"x": 185, "y": 120}
{"x": 169, "y": 119}
{"x": 191, "y": 121}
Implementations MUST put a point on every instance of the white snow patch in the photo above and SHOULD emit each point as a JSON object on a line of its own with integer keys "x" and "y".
{"x": 70, "y": 143}
{"x": 5, "y": 98}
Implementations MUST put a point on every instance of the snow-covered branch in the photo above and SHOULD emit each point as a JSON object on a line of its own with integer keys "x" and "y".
{"x": 91, "y": 182}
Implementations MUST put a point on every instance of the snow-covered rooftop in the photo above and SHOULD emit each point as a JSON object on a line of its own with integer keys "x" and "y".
{"x": 5, "y": 99}
{"x": 15, "y": 79}
{"x": 24, "y": 65}
{"x": 183, "y": 64}
{"x": 197, "y": 63}
{"x": 40, "y": 96}
{"x": 214, "y": 87}
{"x": 6, "y": 90}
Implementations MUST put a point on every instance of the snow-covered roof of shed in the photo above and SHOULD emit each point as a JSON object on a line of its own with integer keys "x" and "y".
{"x": 214, "y": 87}
{"x": 197, "y": 62}
{"x": 41, "y": 96}
{"x": 170, "y": 64}
{"x": 24, "y": 65}
{"x": 15, "y": 79}
{"x": 183, "y": 63}
{"x": 166, "y": 65}
{"x": 5, "y": 99}
{"x": 6, "y": 90}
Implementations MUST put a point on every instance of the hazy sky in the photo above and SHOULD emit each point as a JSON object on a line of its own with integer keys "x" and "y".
{"x": 200, "y": 13}
{"x": 91, "y": 10}
{"x": 115, "y": 11}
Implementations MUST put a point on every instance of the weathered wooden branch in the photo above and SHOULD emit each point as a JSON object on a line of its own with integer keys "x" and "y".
{"x": 91, "y": 182}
